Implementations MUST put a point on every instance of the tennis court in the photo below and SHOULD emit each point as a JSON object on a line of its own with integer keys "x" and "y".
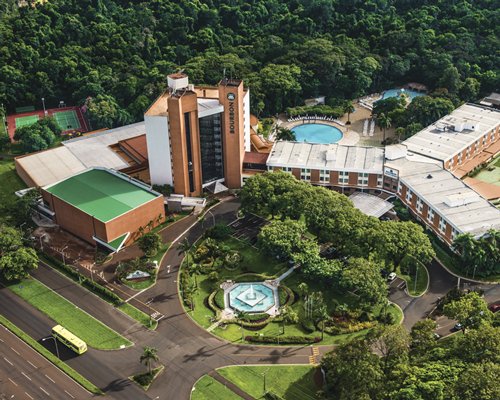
{"x": 67, "y": 120}
{"x": 26, "y": 121}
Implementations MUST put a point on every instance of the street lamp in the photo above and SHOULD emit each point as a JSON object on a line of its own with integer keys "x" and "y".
{"x": 41, "y": 243}
{"x": 55, "y": 341}
{"x": 264, "y": 376}
{"x": 62, "y": 254}
{"x": 44, "y": 110}
{"x": 213, "y": 217}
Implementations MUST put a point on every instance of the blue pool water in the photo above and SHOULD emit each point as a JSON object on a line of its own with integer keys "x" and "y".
{"x": 251, "y": 297}
{"x": 317, "y": 133}
{"x": 396, "y": 92}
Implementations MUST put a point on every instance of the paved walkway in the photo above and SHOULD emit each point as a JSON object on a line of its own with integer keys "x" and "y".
{"x": 230, "y": 385}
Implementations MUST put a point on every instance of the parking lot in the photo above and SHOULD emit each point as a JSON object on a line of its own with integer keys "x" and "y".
{"x": 248, "y": 227}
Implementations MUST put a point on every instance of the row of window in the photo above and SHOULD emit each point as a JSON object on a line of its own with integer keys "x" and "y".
{"x": 324, "y": 176}
{"x": 474, "y": 148}
{"x": 442, "y": 225}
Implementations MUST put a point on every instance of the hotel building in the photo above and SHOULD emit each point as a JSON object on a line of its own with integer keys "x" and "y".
{"x": 198, "y": 135}
{"x": 423, "y": 172}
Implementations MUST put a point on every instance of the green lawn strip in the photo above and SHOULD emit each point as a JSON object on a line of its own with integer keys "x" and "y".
{"x": 145, "y": 379}
{"x": 65, "y": 313}
{"x": 126, "y": 308}
{"x": 207, "y": 388}
{"x": 141, "y": 285}
{"x": 9, "y": 183}
{"x": 291, "y": 382}
{"x": 422, "y": 280}
{"x": 138, "y": 315}
{"x": 49, "y": 356}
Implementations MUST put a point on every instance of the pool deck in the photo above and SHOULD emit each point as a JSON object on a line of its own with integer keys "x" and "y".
{"x": 349, "y": 136}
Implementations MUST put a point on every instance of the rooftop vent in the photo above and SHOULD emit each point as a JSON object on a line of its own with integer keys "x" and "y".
{"x": 429, "y": 176}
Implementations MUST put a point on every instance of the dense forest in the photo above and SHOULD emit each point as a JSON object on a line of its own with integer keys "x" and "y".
{"x": 119, "y": 51}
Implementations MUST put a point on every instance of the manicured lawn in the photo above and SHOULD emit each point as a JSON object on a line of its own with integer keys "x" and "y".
{"x": 9, "y": 183}
{"x": 291, "y": 382}
{"x": 207, "y": 388}
{"x": 422, "y": 280}
{"x": 87, "y": 328}
{"x": 138, "y": 315}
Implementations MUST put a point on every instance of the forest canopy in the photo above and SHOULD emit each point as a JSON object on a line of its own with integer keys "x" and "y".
{"x": 120, "y": 51}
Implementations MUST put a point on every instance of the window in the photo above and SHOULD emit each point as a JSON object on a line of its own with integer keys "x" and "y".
{"x": 286, "y": 169}
{"x": 430, "y": 215}
{"x": 420, "y": 205}
{"x": 343, "y": 177}
{"x": 454, "y": 233}
{"x": 305, "y": 174}
{"x": 363, "y": 179}
{"x": 400, "y": 187}
{"x": 380, "y": 180}
{"x": 324, "y": 175}
{"x": 442, "y": 225}
{"x": 409, "y": 196}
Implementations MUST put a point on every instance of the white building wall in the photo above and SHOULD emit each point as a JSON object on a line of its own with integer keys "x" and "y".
{"x": 246, "y": 123}
{"x": 160, "y": 160}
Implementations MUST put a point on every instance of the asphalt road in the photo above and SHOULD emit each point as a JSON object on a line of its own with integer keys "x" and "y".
{"x": 25, "y": 374}
{"x": 187, "y": 350}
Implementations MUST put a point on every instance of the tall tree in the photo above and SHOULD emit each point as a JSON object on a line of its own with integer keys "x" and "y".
{"x": 149, "y": 355}
{"x": 470, "y": 310}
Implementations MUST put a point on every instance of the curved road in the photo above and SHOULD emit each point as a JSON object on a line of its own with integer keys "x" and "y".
{"x": 187, "y": 350}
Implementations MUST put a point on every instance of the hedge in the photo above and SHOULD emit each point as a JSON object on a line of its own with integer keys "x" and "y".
{"x": 286, "y": 296}
{"x": 219, "y": 299}
{"x": 349, "y": 328}
{"x": 283, "y": 339}
{"x": 212, "y": 303}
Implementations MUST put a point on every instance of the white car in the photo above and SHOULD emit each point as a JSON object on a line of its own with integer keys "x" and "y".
{"x": 391, "y": 277}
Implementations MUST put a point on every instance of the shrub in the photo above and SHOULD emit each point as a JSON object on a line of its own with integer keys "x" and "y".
{"x": 348, "y": 327}
{"x": 219, "y": 232}
{"x": 286, "y": 296}
{"x": 149, "y": 243}
{"x": 308, "y": 325}
{"x": 283, "y": 339}
{"x": 201, "y": 253}
{"x": 219, "y": 299}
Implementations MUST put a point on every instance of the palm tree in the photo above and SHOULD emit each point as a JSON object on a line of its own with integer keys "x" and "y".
{"x": 184, "y": 248}
{"x": 384, "y": 122}
{"x": 348, "y": 109}
{"x": 149, "y": 355}
{"x": 288, "y": 316}
{"x": 303, "y": 289}
{"x": 194, "y": 270}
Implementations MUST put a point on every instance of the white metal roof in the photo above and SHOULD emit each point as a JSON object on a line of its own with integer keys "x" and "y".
{"x": 450, "y": 197}
{"x": 369, "y": 204}
{"x": 94, "y": 150}
{"x": 433, "y": 142}
{"x": 330, "y": 157}
{"x": 46, "y": 167}
{"x": 208, "y": 107}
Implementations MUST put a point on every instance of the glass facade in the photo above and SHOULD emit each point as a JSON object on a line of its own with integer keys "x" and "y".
{"x": 212, "y": 165}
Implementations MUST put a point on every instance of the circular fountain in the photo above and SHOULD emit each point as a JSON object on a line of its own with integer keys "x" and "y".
{"x": 252, "y": 297}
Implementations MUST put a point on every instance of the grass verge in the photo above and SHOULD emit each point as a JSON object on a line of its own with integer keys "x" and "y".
{"x": 422, "y": 280}
{"x": 146, "y": 379}
{"x": 138, "y": 315}
{"x": 291, "y": 382}
{"x": 49, "y": 356}
{"x": 207, "y": 388}
{"x": 65, "y": 313}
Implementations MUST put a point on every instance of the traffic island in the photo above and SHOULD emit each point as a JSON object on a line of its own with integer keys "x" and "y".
{"x": 146, "y": 379}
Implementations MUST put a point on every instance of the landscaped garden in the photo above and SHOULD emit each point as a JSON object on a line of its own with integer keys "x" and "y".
{"x": 309, "y": 312}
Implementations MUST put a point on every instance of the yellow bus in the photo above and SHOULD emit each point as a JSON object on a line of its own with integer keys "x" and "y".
{"x": 66, "y": 337}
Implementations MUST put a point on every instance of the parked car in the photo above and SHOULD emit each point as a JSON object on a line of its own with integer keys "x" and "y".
{"x": 494, "y": 307}
{"x": 437, "y": 336}
{"x": 391, "y": 277}
{"x": 457, "y": 327}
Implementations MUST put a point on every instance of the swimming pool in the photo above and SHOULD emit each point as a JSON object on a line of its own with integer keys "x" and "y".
{"x": 396, "y": 92}
{"x": 317, "y": 133}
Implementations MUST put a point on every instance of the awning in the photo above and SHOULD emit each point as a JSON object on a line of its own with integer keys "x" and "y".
{"x": 216, "y": 187}
{"x": 115, "y": 245}
{"x": 370, "y": 205}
